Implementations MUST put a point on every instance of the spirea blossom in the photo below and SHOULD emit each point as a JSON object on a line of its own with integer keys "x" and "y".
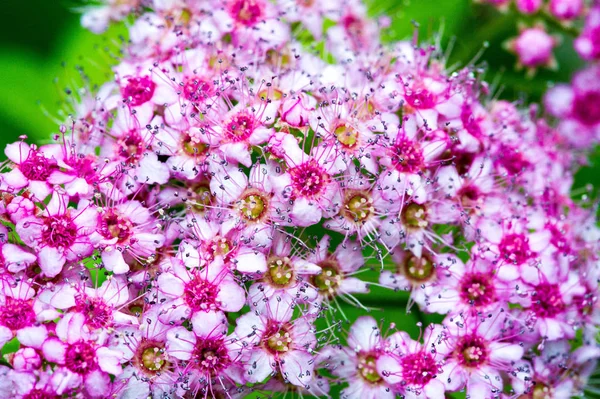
{"x": 208, "y": 223}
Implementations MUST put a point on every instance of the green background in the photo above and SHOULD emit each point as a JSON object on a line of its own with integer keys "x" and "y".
{"x": 43, "y": 51}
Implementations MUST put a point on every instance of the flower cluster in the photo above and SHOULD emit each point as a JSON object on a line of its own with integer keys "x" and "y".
{"x": 198, "y": 227}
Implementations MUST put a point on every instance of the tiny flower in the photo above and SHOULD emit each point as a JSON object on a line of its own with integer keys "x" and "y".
{"x": 209, "y": 356}
{"x": 286, "y": 280}
{"x": 59, "y": 233}
{"x": 338, "y": 270}
{"x": 477, "y": 353}
{"x": 588, "y": 43}
{"x": 84, "y": 362}
{"x": 412, "y": 369}
{"x": 126, "y": 230}
{"x": 308, "y": 181}
{"x": 566, "y": 9}
{"x": 278, "y": 344}
{"x": 356, "y": 365}
{"x": 210, "y": 288}
{"x": 34, "y": 166}
{"x": 529, "y": 6}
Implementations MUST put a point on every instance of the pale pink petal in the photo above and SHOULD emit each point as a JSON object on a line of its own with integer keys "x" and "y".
{"x": 97, "y": 384}
{"x": 109, "y": 360}
{"x": 180, "y": 343}
{"x": 452, "y": 376}
{"x": 306, "y": 212}
{"x": 364, "y": 334}
{"x": 13, "y": 180}
{"x": 350, "y": 257}
{"x": 32, "y": 336}
{"x": 435, "y": 389}
{"x": 503, "y": 352}
{"x": 40, "y": 189}
{"x": 113, "y": 261}
{"x": 170, "y": 285}
{"x": 286, "y": 145}
{"x": 249, "y": 326}
{"x": 16, "y": 256}
{"x": 353, "y": 285}
{"x": 249, "y": 261}
{"x": 58, "y": 205}
{"x": 389, "y": 369}
{"x": 51, "y": 261}
{"x": 5, "y": 335}
{"x": 231, "y": 296}
{"x": 151, "y": 170}
{"x": 258, "y": 366}
{"x": 70, "y": 327}
{"x": 114, "y": 291}
{"x": 237, "y": 152}
{"x": 449, "y": 180}
{"x": 54, "y": 350}
{"x": 228, "y": 184}
{"x": 17, "y": 152}
{"x": 260, "y": 135}
{"x": 210, "y": 323}
{"x": 298, "y": 367}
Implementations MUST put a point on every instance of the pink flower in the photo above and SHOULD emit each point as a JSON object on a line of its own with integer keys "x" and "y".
{"x": 412, "y": 369}
{"x": 131, "y": 143}
{"x": 338, "y": 270}
{"x": 356, "y": 364}
{"x": 477, "y": 353}
{"x": 221, "y": 240}
{"x": 287, "y": 279}
{"x": 534, "y": 47}
{"x": 126, "y": 230}
{"x": 362, "y": 208}
{"x": 405, "y": 154}
{"x": 34, "y": 166}
{"x": 344, "y": 129}
{"x": 59, "y": 234}
{"x": 278, "y": 344}
{"x": 211, "y": 357}
{"x": 241, "y": 128}
{"x": 529, "y": 6}
{"x": 412, "y": 215}
{"x": 210, "y": 288}
{"x": 100, "y": 307}
{"x": 566, "y": 9}
{"x": 256, "y": 212}
{"x": 548, "y": 304}
{"x": 148, "y": 367}
{"x": 309, "y": 180}
{"x": 472, "y": 288}
{"x": 588, "y": 43}
{"x": 21, "y": 311}
{"x": 84, "y": 361}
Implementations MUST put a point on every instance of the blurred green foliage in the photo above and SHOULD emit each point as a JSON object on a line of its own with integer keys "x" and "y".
{"x": 43, "y": 51}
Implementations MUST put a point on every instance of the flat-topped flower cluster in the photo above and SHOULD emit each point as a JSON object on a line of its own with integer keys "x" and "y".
{"x": 199, "y": 225}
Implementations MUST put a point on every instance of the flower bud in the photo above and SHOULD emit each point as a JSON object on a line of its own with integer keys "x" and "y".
{"x": 26, "y": 359}
{"x": 295, "y": 110}
{"x": 534, "y": 47}
{"x": 566, "y": 9}
{"x": 529, "y": 6}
